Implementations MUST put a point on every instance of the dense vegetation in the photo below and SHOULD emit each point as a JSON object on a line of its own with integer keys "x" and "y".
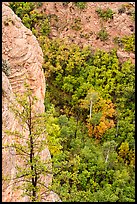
{"x": 90, "y": 103}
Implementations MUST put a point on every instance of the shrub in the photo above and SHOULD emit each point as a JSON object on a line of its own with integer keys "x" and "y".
{"x": 77, "y": 24}
{"x": 127, "y": 42}
{"x": 81, "y": 5}
{"x": 38, "y": 4}
{"x": 105, "y": 14}
{"x": 133, "y": 15}
{"x": 31, "y": 17}
{"x": 45, "y": 27}
{"x": 102, "y": 34}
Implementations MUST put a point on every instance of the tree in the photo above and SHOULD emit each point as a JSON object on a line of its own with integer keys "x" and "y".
{"x": 90, "y": 171}
{"x": 89, "y": 100}
{"x": 32, "y": 167}
{"x": 97, "y": 99}
{"x": 31, "y": 17}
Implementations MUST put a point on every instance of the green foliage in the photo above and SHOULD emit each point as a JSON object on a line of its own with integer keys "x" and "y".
{"x": 53, "y": 131}
{"x": 61, "y": 63}
{"x": 133, "y": 15}
{"x": 31, "y": 17}
{"x": 38, "y": 4}
{"x": 45, "y": 27}
{"x": 82, "y": 173}
{"x": 105, "y": 14}
{"x": 90, "y": 113}
{"x": 126, "y": 42}
{"x": 77, "y": 24}
{"x": 81, "y": 5}
{"x": 71, "y": 72}
{"x": 31, "y": 166}
{"x": 103, "y": 35}
{"x": 22, "y": 8}
{"x": 129, "y": 43}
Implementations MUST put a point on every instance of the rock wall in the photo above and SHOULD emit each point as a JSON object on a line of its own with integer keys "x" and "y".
{"x": 8, "y": 122}
{"x": 21, "y": 49}
{"x": 24, "y": 54}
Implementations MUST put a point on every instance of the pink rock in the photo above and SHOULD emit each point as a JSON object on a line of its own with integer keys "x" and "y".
{"x": 121, "y": 54}
{"x": 21, "y": 49}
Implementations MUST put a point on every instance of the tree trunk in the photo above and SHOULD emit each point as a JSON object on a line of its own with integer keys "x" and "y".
{"x": 32, "y": 154}
{"x": 90, "y": 109}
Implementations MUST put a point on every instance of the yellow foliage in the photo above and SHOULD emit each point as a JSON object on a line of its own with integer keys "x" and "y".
{"x": 124, "y": 149}
{"x": 125, "y": 154}
{"x": 108, "y": 111}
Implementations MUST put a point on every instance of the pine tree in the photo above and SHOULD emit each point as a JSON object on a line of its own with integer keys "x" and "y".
{"x": 32, "y": 167}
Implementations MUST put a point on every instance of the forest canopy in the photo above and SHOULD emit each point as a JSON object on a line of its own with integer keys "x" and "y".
{"x": 90, "y": 100}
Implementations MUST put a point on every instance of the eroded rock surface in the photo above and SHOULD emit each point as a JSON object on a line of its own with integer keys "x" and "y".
{"x": 24, "y": 54}
{"x": 21, "y": 49}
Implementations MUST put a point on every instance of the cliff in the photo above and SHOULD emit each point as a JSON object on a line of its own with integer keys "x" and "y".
{"x": 22, "y": 52}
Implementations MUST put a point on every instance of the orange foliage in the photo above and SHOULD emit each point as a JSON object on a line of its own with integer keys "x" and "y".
{"x": 108, "y": 111}
{"x": 90, "y": 129}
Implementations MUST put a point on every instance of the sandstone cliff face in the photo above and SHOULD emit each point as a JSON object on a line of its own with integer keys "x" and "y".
{"x": 25, "y": 57}
{"x": 8, "y": 122}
